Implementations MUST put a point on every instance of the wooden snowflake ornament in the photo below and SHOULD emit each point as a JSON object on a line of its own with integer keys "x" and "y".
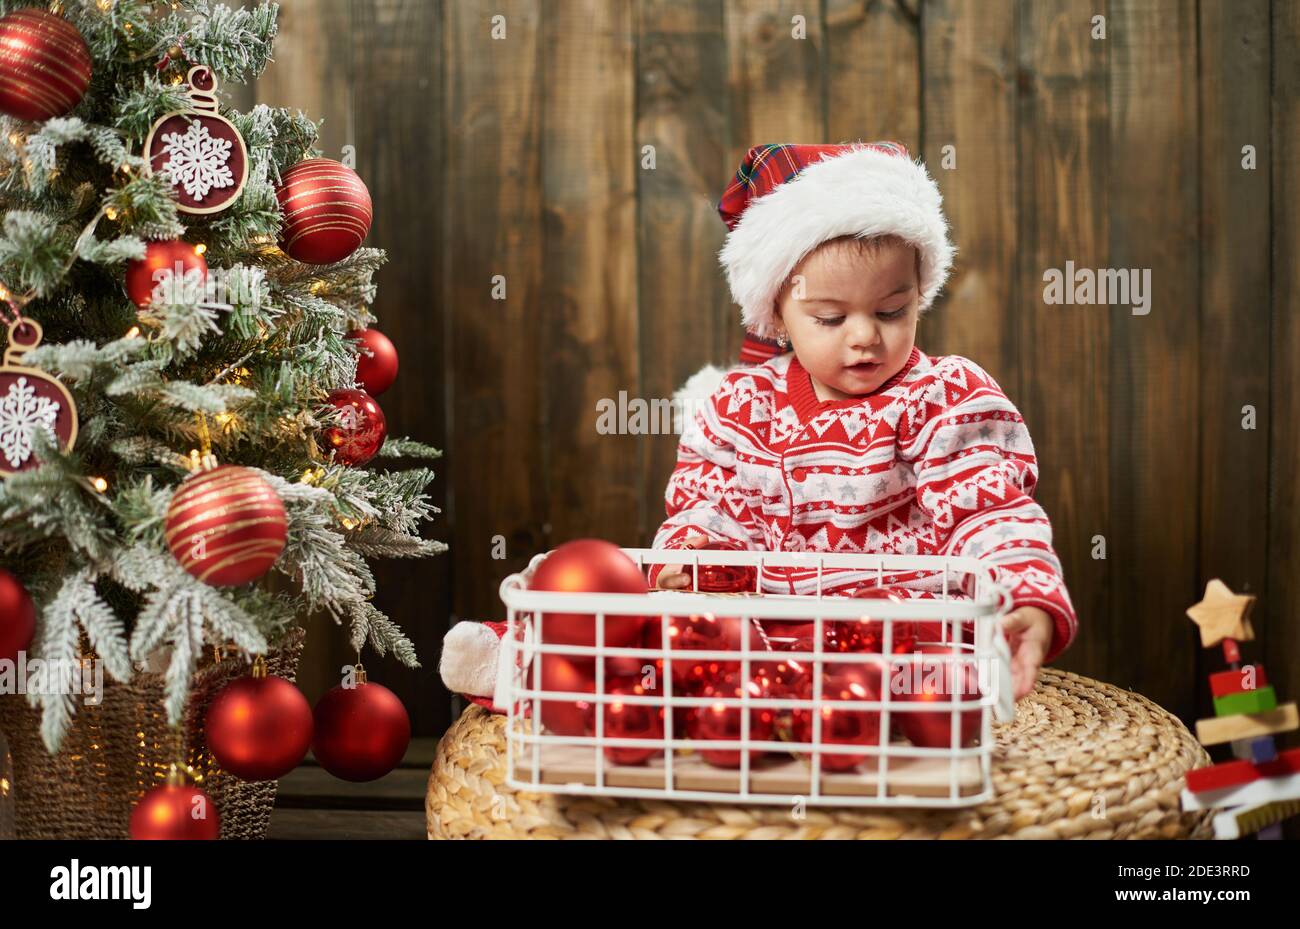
{"x": 30, "y": 400}
{"x": 199, "y": 149}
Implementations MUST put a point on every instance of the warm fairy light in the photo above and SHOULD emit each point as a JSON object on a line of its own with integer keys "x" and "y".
{"x": 347, "y": 523}
{"x": 224, "y": 419}
{"x": 176, "y": 79}
{"x": 316, "y": 286}
{"x": 15, "y": 138}
{"x": 99, "y": 484}
{"x": 132, "y": 333}
{"x": 105, "y": 5}
{"x": 200, "y": 249}
{"x": 4, "y": 292}
{"x": 110, "y": 212}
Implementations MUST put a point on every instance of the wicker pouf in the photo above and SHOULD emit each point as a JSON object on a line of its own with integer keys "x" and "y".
{"x": 1082, "y": 760}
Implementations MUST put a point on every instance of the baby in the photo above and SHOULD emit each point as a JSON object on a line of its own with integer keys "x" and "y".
{"x": 856, "y": 440}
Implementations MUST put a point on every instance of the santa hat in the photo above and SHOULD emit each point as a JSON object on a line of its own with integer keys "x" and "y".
{"x": 786, "y": 199}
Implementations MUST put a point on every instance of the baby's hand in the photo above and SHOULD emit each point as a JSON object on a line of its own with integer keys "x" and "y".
{"x": 674, "y": 576}
{"x": 1029, "y": 634}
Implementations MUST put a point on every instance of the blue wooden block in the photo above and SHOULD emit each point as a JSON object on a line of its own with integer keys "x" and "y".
{"x": 1260, "y": 748}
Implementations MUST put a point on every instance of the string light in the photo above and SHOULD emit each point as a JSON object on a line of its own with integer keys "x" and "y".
{"x": 105, "y": 5}
{"x": 224, "y": 419}
{"x": 110, "y": 212}
{"x": 15, "y": 138}
{"x": 132, "y": 333}
{"x": 99, "y": 484}
{"x": 200, "y": 249}
{"x": 347, "y": 523}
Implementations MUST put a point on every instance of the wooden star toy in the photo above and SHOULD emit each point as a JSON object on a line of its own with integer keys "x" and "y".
{"x": 1222, "y": 615}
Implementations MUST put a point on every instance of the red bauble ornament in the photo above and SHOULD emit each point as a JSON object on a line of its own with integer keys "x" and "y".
{"x": 326, "y": 209}
{"x": 175, "y": 811}
{"x": 566, "y": 675}
{"x": 589, "y": 566}
{"x": 259, "y": 727}
{"x": 362, "y": 732}
{"x": 164, "y": 265}
{"x": 226, "y": 526}
{"x": 719, "y": 721}
{"x": 377, "y": 364}
{"x": 937, "y": 680}
{"x": 17, "y": 617}
{"x": 44, "y": 65}
{"x": 361, "y": 428}
{"x": 701, "y": 632}
{"x": 840, "y": 726}
{"x": 629, "y": 721}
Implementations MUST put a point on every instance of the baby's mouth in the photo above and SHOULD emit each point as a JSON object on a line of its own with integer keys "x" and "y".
{"x": 865, "y": 367}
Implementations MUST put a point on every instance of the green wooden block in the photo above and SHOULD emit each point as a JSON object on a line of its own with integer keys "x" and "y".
{"x": 1260, "y": 700}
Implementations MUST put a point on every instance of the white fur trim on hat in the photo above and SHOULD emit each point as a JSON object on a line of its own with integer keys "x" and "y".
{"x": 469, "y": 659}
{"x": 863, "y": 192}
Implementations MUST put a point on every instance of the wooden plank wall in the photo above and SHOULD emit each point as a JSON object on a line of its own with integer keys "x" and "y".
{"x": 576, "y": 162}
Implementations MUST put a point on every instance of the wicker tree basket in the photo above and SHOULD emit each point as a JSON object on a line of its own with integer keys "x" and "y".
{"x": 1083, "y": 759}
{"x": 113, "y": 752}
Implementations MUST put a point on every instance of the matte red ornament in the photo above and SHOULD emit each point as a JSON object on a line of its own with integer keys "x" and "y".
{"x": 326, "y": 209}
{"x": 589, "y": 566}
{"x": 377, "y": 364}
{"x": 171, "y": 264}
{"x": 719, "y": 721}
{"x": 259, "y": 727}
{"x": 17, "y": 617}
{"x": 45, "y": 65}
{"x": 361, "y": 427}
{"x": 226, "y": 526}
{"x": 937, "y": 681}
{"x": 839, "y": 725}
{"x": 175, "y": 811}
{"x": 362, "y": 732}
{"x": 629, "y": 721}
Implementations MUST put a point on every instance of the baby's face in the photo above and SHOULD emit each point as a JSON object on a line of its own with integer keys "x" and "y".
{"x": 852, "y": 318}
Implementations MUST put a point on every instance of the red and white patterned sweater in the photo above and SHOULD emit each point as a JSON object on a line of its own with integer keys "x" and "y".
{"x": 937, "y": 460}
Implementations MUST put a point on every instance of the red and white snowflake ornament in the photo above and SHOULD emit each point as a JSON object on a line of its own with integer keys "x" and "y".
{"x": 30, "y": 400}
{"x": 199, "y": 149}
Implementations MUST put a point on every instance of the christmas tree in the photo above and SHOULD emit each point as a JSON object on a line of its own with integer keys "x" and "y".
{"x": 183, "y": 289}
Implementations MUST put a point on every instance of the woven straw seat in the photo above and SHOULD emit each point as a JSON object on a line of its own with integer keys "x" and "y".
{"x": 1083, "y": 759}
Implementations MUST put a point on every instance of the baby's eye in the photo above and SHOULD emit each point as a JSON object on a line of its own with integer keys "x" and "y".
{"x": 893, "y": 314}
{"x": 829, "y": 320}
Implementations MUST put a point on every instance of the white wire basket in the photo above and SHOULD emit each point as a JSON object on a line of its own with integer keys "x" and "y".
{"x": 809, "y": 740}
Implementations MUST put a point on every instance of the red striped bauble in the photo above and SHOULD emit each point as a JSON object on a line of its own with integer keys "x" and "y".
{"x": 44, "y": 65}
{"x": 326, "y": 210}
{"x": 226, "y": 526}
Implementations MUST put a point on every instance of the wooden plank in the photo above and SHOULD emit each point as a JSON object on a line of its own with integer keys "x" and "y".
{"x": 919, "y": 777}
{"x": 1279, "y": 639}
{"x": 494, "y": 204}
{"x": 397, "y": 120}
{"x": 777, "y": 84}
{"x": 969, "y": 58}
{"x": 589, "y": 341}
{"x": 312, "y": 787}
{"x": 1234, "y": 252}
{"x": 1064, "y": 398}
{"x": 873, "y": 72}
{"x": 351, "y": 825}
{"x": 1155, "y": 360}
{"x": 682, "y": 100}
{"x": 366, "y": 69}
